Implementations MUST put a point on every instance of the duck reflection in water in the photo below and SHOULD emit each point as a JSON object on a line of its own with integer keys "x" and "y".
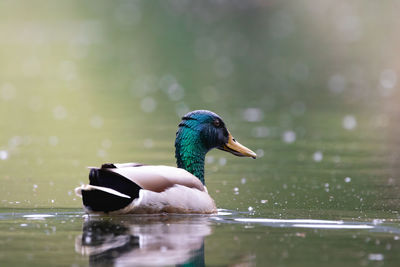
{"x": 144, "y": 241}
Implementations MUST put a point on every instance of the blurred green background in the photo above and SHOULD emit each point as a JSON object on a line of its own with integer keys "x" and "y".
{"x": 311, "y": 86}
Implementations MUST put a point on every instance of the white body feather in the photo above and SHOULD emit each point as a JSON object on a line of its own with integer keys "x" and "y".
{"x": 176, "y": 199}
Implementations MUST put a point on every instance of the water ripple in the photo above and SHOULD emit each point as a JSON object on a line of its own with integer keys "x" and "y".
{"x": 232, "y": 217}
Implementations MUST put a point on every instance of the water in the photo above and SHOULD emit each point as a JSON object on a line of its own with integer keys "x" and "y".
{"x": 311, "y": 87}
{"x": 75, "y": 239}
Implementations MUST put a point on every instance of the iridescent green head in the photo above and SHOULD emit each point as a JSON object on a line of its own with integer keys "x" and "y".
{"x": 199, "y": 132}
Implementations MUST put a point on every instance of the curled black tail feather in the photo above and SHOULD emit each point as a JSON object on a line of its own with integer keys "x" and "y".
{"x": 107, "y": 178}
{"x": 98, "y": 200}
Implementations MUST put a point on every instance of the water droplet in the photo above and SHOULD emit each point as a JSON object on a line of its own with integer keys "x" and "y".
{"x": 318, "y": 156}
{"x": 337, "y": 83}
{"x": 388, "y": 78}
{"x": 148, "y": 104}
{"x": 88, "y": 239}
{"x": 253, "y": 114}
{"x": 349, "y": 122}
{"x": 101, "y": 153}
{"x": 289, "y": 137}
{"x": 222, "y": 161}
{"x": 96, "y": 122}
{"x": 3, "y": 155}
{"x": 348, "y": 24}
{"x": 347, "y": 179}
{"x": 243, "y": 180}
{"x": 209, "y": 159}
{"x": 376, "y": 257}
{"x": 260, "y": 153}
{"x": 53, "y": 140}
{"x": 175, "y": 92}
{"x": 59, "y": 112}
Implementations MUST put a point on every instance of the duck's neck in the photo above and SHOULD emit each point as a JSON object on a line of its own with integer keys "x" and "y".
{"x": 190, "y": 152}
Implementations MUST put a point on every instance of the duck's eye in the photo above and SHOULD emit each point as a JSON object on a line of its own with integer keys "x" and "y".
{"x": 217, "y": 123}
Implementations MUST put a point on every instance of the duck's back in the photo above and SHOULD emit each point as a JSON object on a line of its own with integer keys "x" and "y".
{"x": 158, "y": 178}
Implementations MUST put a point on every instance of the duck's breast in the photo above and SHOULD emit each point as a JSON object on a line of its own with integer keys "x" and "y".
{"x": 176, "y": 199}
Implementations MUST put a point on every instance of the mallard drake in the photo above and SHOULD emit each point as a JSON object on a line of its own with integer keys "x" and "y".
{"x": 136, "y": 188}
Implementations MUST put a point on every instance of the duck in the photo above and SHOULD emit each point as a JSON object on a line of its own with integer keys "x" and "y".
{"x": 135, "y": 188}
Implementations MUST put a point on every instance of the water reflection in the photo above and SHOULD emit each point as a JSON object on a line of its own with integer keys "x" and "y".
{"x": 144, "y": 240}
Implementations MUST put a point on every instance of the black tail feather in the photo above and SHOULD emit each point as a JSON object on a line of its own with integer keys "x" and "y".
{"x": 98, "y": 200}
{"x": 110, "y": 179}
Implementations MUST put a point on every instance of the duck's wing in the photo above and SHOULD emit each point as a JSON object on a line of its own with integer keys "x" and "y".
{"x": 156, "y": 178}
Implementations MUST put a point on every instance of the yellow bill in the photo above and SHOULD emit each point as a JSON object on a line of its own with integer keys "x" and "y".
{"x": 237, "y": 149}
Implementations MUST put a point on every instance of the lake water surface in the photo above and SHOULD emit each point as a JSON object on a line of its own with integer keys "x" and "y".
{"x": 311, "y": 87}
{"x": 70, "y": 238}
